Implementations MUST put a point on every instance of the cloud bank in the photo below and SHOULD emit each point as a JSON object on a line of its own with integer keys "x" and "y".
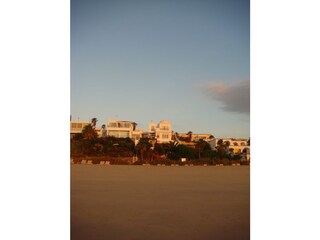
{"x": 234, "y": 97}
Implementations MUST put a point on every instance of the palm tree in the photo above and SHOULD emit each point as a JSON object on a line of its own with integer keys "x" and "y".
{"x": 134, "y": 126}
{"x": 175, "y": 136}
{"x": 143, "y": 146}
{"x": 89, "y": 133}
{"x": 189, "y": 136}
{"x": 202, "y": 145}
{"x": 94, "y": 122}
{"x": 231, "y": 150}
{"x": 220, "y": 142}
{"x": 221, "y": 148}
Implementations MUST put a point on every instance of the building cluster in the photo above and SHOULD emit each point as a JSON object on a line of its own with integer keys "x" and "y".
{"x": 162, "y": 132}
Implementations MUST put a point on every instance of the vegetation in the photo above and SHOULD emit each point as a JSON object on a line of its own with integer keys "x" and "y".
{"x": 124, "y": 151}
{"x": 203, "y": 147}
{"x": 89, "y": 133}
{"x": 143, "y": 147}
{"x": 94, "y": 122}
{"x": 88, "y": 144}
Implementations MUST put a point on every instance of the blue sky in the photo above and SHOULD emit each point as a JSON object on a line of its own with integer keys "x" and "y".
{"x": 184, "y": 61}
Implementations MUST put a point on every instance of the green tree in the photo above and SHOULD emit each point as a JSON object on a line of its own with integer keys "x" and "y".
{"x": 184, "y": 151}
{"x": 94, "y": 122}
{"x": 221, "y": 149}
{"x": 231, "y": 151}
{"x": 189, "y": 138}
{"x": 143, "y": 147}
{"x": 172, "y": 151}
{"x": 220, "y": 142}
{"x": 202, "y": 146}
{"x": 89, "y": 133}
{"x": 159, "y": 148}
{"x": 236, "y": 157}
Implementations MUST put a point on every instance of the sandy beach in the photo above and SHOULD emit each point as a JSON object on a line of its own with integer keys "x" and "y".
{"x": 160, "y": 202}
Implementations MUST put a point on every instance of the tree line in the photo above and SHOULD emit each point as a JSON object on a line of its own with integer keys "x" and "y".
{"x": 88, "y": 144}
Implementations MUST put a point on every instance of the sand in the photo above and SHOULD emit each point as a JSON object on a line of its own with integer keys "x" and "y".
{"x": 160, "y": 202}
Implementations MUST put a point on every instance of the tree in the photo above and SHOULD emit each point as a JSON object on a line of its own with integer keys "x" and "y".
{"x": 159, "y": 149}
{"x": 231, "y": 151}
{"x": 202, "y": 146}
{"x": 134, "y": 126}
{"x": 236, "y": 157}
{"x": 176, "y": 137}
{"x": 94, "y": 122}
{"x": 89, "y": 133}
{"x": 245, "y": 150}
{"x": 143, "y": 146}
{"x": 184, "y": 151}
{"x": 220, "y": 142}
{"x": 170, "y": 149}
{"x": 189, "y": 136}
{"x": 221, "y": 149}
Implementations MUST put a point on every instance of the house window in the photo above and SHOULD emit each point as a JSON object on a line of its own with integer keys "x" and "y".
{"x": 123, "y": 134}
{"x": 113, "y": 124}
{"x": 165, "y": 136}
{"x": 124, "y": 125}
{"x": 119, "y": 134}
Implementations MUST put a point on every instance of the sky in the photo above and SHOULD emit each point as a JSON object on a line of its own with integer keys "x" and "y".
{"x": 183, "y": 61}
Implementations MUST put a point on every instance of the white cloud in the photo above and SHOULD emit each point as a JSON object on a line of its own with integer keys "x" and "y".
{"x": 235, "y": 97}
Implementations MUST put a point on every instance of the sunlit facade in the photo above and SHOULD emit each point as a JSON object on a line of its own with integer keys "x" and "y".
{"x": 77, "y": 127}
{"x": 197, "y": 136}
{"x": 121, "y": 129}
{"x": 238, "y": 146}
{"x": 161, "y": 131}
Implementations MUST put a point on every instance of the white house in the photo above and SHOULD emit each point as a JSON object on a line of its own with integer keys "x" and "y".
{"x": 121, "y": 129}
{"x": 77, "y": 127}
{"x": 239, "y": 145}
{"x": 161, "y": 131}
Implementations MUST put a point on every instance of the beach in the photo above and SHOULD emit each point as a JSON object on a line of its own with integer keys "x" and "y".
{"x": 160, "y": 202}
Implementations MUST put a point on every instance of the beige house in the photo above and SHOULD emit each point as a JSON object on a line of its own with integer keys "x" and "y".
{"x": 161, "y": 131}
{"x": 121, "y": 129}
{"x": 77, "y": 127}
{"x": 239, "y": 145}
{"x": 136, "y": 135}
{"x": 198, "y": 136}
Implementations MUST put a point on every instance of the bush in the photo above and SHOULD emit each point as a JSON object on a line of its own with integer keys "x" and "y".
{"x": 236, "y": 157}
{"x": 247, "y": 163}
